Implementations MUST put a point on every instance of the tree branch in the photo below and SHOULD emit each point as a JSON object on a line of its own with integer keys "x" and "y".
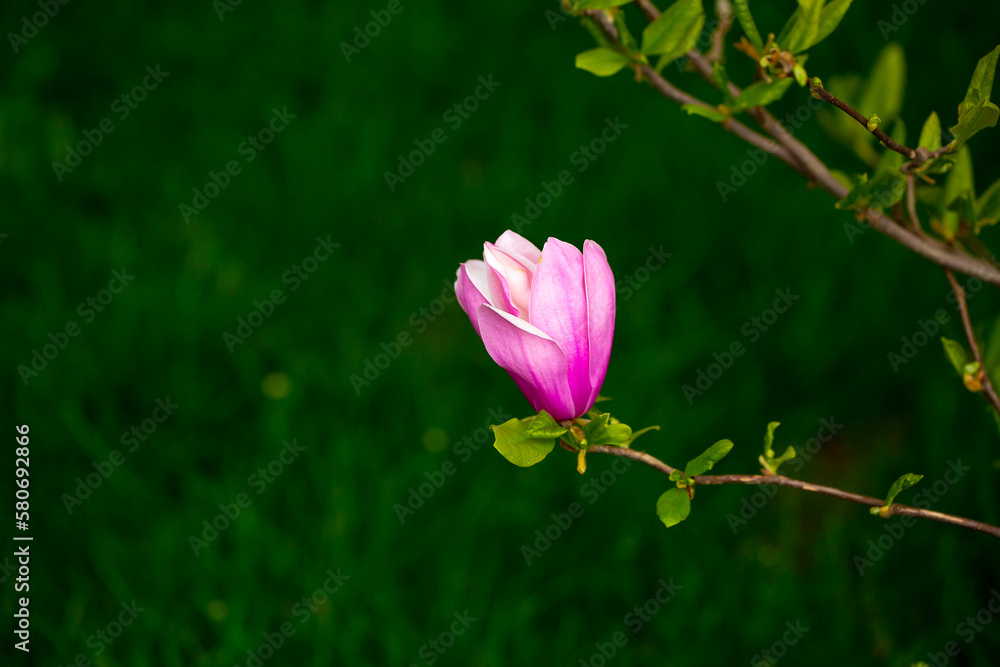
{"x": 888, "y": 141}
{"x": 963, "y": 308}
{"x": 798, "y": 156}
{"x": 780, "y": 480}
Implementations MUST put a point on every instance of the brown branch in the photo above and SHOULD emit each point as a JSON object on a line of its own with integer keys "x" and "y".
{"x": 780, "y": 480}
{"x": 911, "y": 203}
{"x": 889, "y": 142}
{"x": 963, "y": 308}
{"x": 649, "y": 9}
{"x": 724, "y": 11}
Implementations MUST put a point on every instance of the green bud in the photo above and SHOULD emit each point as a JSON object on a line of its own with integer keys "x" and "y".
{"x": 873, "y": 122}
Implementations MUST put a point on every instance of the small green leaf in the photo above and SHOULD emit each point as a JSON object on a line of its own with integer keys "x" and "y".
{"x": 676, "y": 476}
{"x": 641, "y": 431}
{"x": 601, "y": 61}
{"x": 761, "y": 94}
{"x": 707, "y": 459}
{"x": 544, "y": 426}
{"x": 514, "y": 443}
{"x": 710, "y": 113}
{"x": 673, "y": 507}
{"x": 956, "y": 354}
{"x": 930, "y": 134}
{"x": 802, "y": 28}
{"x": 976, "y": 112}
{"x": 901, "y": 484}
{"x": 675, "y": 31}
{"x": 601, "y": 431}
{"x": 722, "y": 82}
{"x": 769, "y": 439}
{"x": 601, "y": 4}
{"x": 988, "y": 207}
{"x": 749, "y": 26}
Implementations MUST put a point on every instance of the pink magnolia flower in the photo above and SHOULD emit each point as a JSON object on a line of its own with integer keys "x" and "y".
{"x": 546, "y": 317}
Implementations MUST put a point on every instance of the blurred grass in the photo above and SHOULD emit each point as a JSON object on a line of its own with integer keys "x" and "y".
{"x": 333, "y": 507}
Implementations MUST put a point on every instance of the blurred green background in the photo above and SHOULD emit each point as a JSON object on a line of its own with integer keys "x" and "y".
{"x": 334, "y": 508}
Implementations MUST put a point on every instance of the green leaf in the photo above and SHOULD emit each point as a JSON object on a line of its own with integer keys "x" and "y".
{"x": 930, "y": 134}
{"x": 988, "y": 207}
{"x": 901, "y": 484}
{"x": 601, "y": 61}
{"x": 707, "y": 459}
{"x": 829, "y": 19}
{"x": 600, "y": 431}
{"x": 514, "y": 443}
{"x": 544, "y": 426}
{"x": 761, "y": 94}
{"x": 857, "y": 196}
{"x": 769, "y": 439}
{"x": 749, "y": 26}
{"x": 641, "y": 431}
{"x": 976, "y": 112}
{"x": 624, "y": 34}
{"x": 710, "y": 113}
{"x": 956, "y": 354}
{"x": 673, "y": 507}
{"x": 803, "y": 26}
{"x": 675, "y": 31}
{"x": 722, "y": 82}
{"x": 601, "y": 4}
{"x": 676, "y": 476}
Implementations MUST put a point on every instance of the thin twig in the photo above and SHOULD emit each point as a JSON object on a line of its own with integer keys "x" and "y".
{"x": 780, "y": 480}
{"x": 724, "y": 11}
{"x": 963, "y": 309}
{"x": 911, "y": 203}
{"x": 889, "y": 142}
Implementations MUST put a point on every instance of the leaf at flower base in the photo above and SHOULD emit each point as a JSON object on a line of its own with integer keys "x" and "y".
{"x": 930, "y": 134}
{"x": 710, "y": 113}
{"x": 761, "y": 94}
{"x": 956, "y": 354}
{"x": 675, "y": 31}
{"x": 901, "y": 484}
{"x": 707, "y": 459}
{"x": 544, "y": 426}
{"x": 600, "y": 431}
{"x": 601, "y": 61}
{"x": 743, "y": 15}
{"x": 601, "y": 4}
{"x": 673, "y": 507}
{"x": 976, "y": 112}
{"x": 514, "y": 443}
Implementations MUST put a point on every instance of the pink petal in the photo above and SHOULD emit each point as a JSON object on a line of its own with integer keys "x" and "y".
{"x": 533, "y": 360}
{"x": 515, "y": 244}
{"x": 600, "y": 286}
{"x": 559, "y": 308}
{"x": 516, "y": 285}
{"x": 471, "y": 288}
